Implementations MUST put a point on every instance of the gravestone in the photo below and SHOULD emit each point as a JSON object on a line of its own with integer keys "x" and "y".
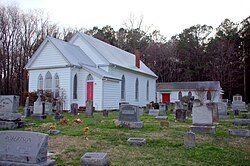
{"x": 9, "y": 118}
{"x": 239, "y": 132}
{"x": 39, "y": 109}
{"x": 24, "y": 148}
{"x": 94, "y": 159}
{"x": 178, "y": 105}
{"x": 89, "y": 109}
{"x": 215, "y": 111}
{"x": 27, "y": 111}
{"x": 74, "y": 109}
{"x": 9, "y": 103}
{"x": 241, "y": 122}
{"x": 48, "y": 108}
{"x": 105, "y": 113}
{"x": 238, "y": 104}
{"x": 222, "y": 110}
{"x": 189, "y": 139}
{"x": 137, "y": 141}
{"x": 129, "y": 116}
{"x": 181, "y": 115}
{"x": 202, "y": 118}
{"x": 162, "y": 109}
{"x": 153, "y": 112}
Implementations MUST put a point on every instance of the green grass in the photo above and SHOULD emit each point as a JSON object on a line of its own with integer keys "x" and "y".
{"x": 164, "y": 145}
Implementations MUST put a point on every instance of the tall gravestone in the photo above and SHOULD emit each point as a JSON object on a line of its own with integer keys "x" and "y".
{"x": 24, "y": 148}
{"x": 202, "y": 119}
{"x": 9, "y": 118}
{"x": 180, "y": 115}
{"x": 39, "y": 109}
{"x": 129, "y": 116}
{"x": 74, "y": 109}
{"x": 27, "y": 111}
{"x": 215, "y": 112}
{"x": 89, "y": 109}
{"x": 222, "y": 110}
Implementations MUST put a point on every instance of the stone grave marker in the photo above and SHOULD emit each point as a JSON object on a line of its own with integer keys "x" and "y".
{"x": 9, "y": 118}
{"x": 24, "y": 148}
{"x": 162, "y": 109}
{"x": 181, "y": 115}
{"x": 202, "y": 118}
{"x": 222, "y": 110}
{"x": 39, "y": 109}
{"x": 94, "y": 159}
{"x": 89, "y": 109}
{"x": 74, "y": 109}
{"x": 153, "y": 112}
{"x": 48, "y": 108}
{"x": 129, "y": 116}
{"x": 189, "y": 139}
{"x": 239, "y": 132}
{"x": 105, "y": 113}
{"x": 241, "y": 122}
{"x": 27, "y": 111}
{"x": 9, "y": 103}
{"x": 137, "y": 141}
{"x": 215, "y": 111}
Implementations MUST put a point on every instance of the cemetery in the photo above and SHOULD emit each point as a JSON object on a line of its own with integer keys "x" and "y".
{"x": 157, "y": 134}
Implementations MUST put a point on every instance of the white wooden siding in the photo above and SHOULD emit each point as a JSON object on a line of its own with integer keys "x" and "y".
{"x": 64, "y": 79}
{"x": 111, "y": 94}
{"x": 49, "y": 56}
{"x": 130, "y": 78}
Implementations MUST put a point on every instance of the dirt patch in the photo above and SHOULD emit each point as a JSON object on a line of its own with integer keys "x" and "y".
{"x": 58, "y": 144}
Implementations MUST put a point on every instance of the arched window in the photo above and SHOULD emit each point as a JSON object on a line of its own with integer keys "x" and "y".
{"x": 147, "y": 90}
{"x": 189, "y": 94}
{"x": 180, "y": 95}
{"x": 40, "y": 82}
{"x": 75, "y": 87}
{"x": 136, "y": 89}
{"x": 48, "y": 81}
{"x": 209, "y": 96}
{"x": 89, "y": 77}
{"x": 57, "y": 85}
{"x": 123, "y": 88}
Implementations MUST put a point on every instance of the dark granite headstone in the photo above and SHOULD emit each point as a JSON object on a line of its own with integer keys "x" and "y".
{"x": 129, "y": 116}
{"x": 105, "y": 113}
{"x": 24, "y": 148}
{"x": 89, "y": 109}
{"x": 180, "y": 115}
{"x": 74, "y": 109}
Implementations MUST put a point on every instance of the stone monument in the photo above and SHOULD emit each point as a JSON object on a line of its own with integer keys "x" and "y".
{"x": 129, "y": 116}
{"x": 222, "y": 110}
{"x": 89, "y": 109}
{"x": 202, "y": 118}
{"x": 24, "y": 148}
{"x": 74, "y": 109}
{"x": 9, "y": 118}
{"x": 189, "y": 139}
{"x": 94, "y": 159}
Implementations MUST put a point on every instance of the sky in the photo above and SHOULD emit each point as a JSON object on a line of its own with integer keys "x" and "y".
{"x": 168, "y": 16}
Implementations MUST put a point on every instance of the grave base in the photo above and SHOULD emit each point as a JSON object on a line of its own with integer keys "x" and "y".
{"x": 94, "y": 159}
{"x": 137, "y": 141}
{"x": 203, "y": 129}
{"x": 39, "y": 116}
{"x": 8, "y": 125}
{"x": 47, "y": 163}
{"x": 239, "y": 132}
{"x": 161, "y": 117}
{"x": 131, "y": 125}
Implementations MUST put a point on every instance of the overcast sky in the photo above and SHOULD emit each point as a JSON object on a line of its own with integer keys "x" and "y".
{"x": 168, "y": 16}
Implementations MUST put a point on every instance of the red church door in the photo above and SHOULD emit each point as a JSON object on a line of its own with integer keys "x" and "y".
{"x": 90, "y": 91}
{"x": 165, "y": 97}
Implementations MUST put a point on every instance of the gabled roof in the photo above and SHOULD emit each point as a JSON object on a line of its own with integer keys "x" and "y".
{"x": 196, "y": 85}
{"x": 115, "y": 55}
{"x": 72, "y": 53}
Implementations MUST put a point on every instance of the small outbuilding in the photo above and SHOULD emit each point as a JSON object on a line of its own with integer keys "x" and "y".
{"x": 170, "y": 92}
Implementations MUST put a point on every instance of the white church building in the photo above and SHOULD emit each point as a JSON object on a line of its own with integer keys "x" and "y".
{"x": 89, "y": 69}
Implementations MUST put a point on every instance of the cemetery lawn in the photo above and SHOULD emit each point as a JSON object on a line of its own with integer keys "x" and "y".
{"x": 164, "y": 145}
